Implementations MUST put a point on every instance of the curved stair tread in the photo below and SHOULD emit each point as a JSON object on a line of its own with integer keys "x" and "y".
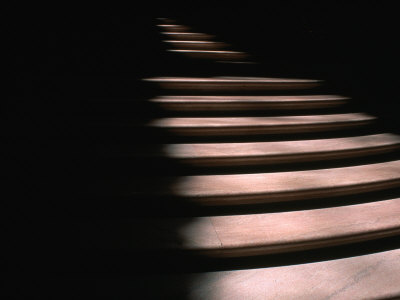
{"x": 228, "y": 79}
{"x": 260, "y": 234}
{"x": 286, "y": 186}
{"x": 211, "y": 54}
{"x": 248, "y": 102}
{"x": 291, "y": 231}
{"x": 372, "y": 276}
{"x": 248, "y": 125}
{"x": 188, "y": 36}
{"x": 199, "y": 45}
{"x": 256, "y": 188}
{"x": 233, "y": 83}
{"x": 271, "y": 152}
{"x": 174, "y": 27}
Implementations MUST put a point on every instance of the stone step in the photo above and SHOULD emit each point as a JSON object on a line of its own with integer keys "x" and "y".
{"x": 187, "y": 36}
{"x": 174, "y": 28}
{"x": 256, "y": 188}
{"x": 371, "y": 276}
{"x": 216, "y": 55}
{"x": 267, "y": 153}
{"x": 233, "y": 83}
{"x": 260, "y": 153}
{"x": 196, "y": 45}
{"x": 255, "y": 234}
{"x": 226, "y": 126}
{"x": 167, "y": 21}
{"x": 233, "y": 103}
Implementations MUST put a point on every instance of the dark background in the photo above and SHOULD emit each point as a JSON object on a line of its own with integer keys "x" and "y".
{"x": 67, "y": 54}
{"x": 60, "y": 61}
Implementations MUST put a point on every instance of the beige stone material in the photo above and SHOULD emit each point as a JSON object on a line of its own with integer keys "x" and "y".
{"x": 188, "y": 36}
{"x": 197, "y": 45}
{"x": 285, "y": 186}
{"x": 260, "y": 125}
{"x": 219, "y": 154}
{"x": 227, "y": 103}
{"x": 367, "y": 277}
{"x": 233, "y": 83}
{"x": 212, "y": 54}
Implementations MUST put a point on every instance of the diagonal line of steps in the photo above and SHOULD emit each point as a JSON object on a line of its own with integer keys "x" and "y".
{"x": 199, "y": 45}
{"x": 263, "y": 233}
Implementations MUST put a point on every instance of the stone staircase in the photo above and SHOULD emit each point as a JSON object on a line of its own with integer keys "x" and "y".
{"x": 245, "y": 187}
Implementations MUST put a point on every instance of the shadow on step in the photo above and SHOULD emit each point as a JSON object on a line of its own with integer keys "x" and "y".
{"x": 153, "y": 276}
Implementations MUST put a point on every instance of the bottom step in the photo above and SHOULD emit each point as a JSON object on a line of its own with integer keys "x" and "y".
{"x": 375, "y": 276}
{"x": 372, "y": 276}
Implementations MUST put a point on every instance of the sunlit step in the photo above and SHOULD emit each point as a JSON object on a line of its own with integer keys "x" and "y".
{"x": 267, "y": 153}
{"x": 226, "y": 126}
{"x": 238, "y": 189}
{"x": 266, "y": 233}
{"x": 372, "y": 276}
{"x": 188, "y": 36}
{"x": 208, "y": 54}
{"x": 233, "y": 83}
{"x": 174, "y": 28}
{"x": 229, "y": 103}
{"x": 196, "y": 45}
{"x": 286, "y": 186}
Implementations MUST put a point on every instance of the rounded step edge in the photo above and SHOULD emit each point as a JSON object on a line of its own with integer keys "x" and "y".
{"x": 257, "y": 234}
{"x": 258, "y": 153}
{"x": 254, "y": 188}
{"x": 370, "y": 276}
{"x": 233, "y": 83}
{"x": 196, "y": 45}
{"x": 174, "y": 28}
{"x": 234, "y": 103}
{"x": 237, "y": 126}
{"x": 268, "y": 153}
{"x": 212, "y": 54}
{"x": 188, "y": 36}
